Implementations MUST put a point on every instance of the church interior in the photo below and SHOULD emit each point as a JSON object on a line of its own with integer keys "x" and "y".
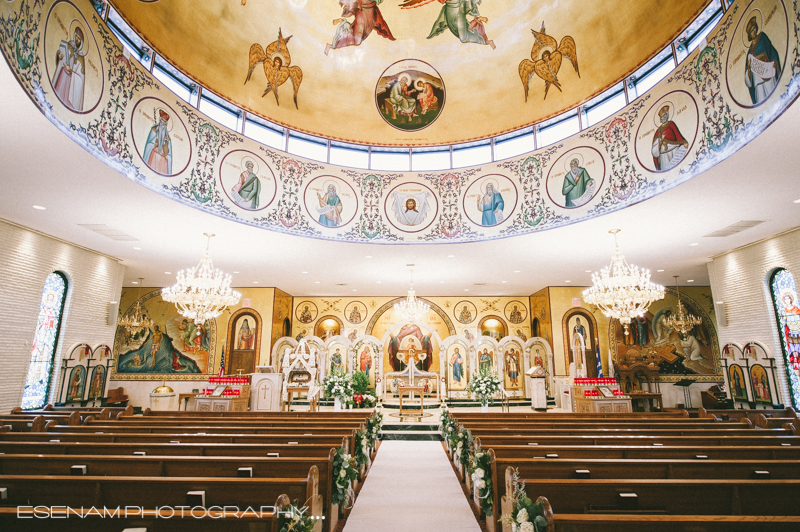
{"x": 259, "y": 271}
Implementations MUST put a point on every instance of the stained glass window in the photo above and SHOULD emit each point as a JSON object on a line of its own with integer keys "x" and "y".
{"x": 784, "y": 297}
{"x": 37, "y": 383}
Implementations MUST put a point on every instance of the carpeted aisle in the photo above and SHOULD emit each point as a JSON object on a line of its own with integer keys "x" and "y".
{"x": 411, "y": 488}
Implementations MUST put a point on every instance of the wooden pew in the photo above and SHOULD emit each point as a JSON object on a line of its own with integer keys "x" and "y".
{"x": 725, "y": 430}
{"x": 166, "y": 520}
{"x": 202, "y": 429}
{"x": 617, "y": 416}
{"x": 166, "y": 449}
{"x": 665, "y": 496}
{"x": 264, "y": 439}
{"x": 760, "y": 438}
{"x": 177, "y": 466}
{"x": 24, "y": 424}
{"x": 621, "y": 452}
{"x": 98, "y": 412}
{"x": 748, "y": 413}
{"x": 71, "y": 419}
{"x": 350, "y": 414}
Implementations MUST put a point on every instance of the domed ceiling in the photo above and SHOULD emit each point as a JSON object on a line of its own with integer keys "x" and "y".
{"x": 408, "y": 72}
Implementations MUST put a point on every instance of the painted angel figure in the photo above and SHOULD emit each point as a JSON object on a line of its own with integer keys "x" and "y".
{"x": 366, "y": 17}
{"x": 277, "y": 66}
{"x": 453, "y": 16}
{"x": 547, "y": 55}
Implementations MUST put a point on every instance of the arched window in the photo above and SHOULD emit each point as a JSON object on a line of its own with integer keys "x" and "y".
{"x": 48, "y": 326}
{"x": 784, "y": 297}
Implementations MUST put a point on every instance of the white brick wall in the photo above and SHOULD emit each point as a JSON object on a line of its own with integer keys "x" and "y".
{"x": 740, "y": 279}
{"x": 26, "y": 259}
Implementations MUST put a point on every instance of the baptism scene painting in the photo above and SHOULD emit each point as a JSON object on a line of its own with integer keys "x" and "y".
{"x": 576, "y": 177}
{"x": 160, "y": 137}
{"x": 173, "y": 345}
{"x": 411, "y": 207}
{"x": 490, "y": 200}
{"x": 72, "y": 59}
{"x": 331, "y": 201}
{"x": 667, "y": 132}
{"x": 694, "y": 353}
{"x": 247, "y": 180}
{"x": 757, "y": 52}
{"x": 410, "y": 95}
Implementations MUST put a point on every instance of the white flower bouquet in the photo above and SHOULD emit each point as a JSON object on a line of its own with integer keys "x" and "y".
{"x": 339, "y": 385}
{"x": 483, "y": 385}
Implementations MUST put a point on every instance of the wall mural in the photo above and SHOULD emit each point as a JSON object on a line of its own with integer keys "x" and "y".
{"x": 547, "y": 55}
{"x": 173, "y": 348}
{"x": 695, "y": 353}
{"x": 410, "y": 95}
{"x": 719, "y": 98}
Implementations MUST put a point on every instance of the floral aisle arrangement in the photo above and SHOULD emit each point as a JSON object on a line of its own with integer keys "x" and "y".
{"x": 482, "y": 480}
{"x": 464, "y": 448}
{"x": 295, "y": 519}
{"x": 362, "y": 448}
{"x": 526, "y": 515}
{"x": 483, "y": 385}
{"x": 374, "y": 429}
{"x": 344, "y": 474}
{"x": 449, "y": 428}
{"x": 339, "y": 385}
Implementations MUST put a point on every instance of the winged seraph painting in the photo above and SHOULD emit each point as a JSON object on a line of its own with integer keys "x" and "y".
{"x": 453, "y": 17}
{"x": 366, "y": 17}
{"x": 277, "y": 66}
{"x": 547, "y": 55}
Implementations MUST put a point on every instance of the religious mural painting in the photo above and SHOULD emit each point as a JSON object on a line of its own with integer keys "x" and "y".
{"x": 411, "y": 344}
{"x": 547, "y": 54}
{"x": 411, "y": 207}
{"x": 355, "y": 312}
{"x": 277, "y": 63}
{"x": 493, "y": 327}
{"x": 76, "y": 384}
{"x": 539, "y": 355}
{"x": 97, "y": 383}
{"x": 540, "y": 315}
{"x": 787, "y": 313}
{"x": 461, "y": 17}
{"x": 515, "y": 312}
{"x": 513, "y": 376}
{"x": 247, "y": 180}
{"x": 667, "y": 132}
{"x": 580, "y": 341}
{"x": 45, "y": 341}
{"x": 465, "y": 312}
{"x": 306, "y": 312}
{"x": 457, "y": 368}
{"x": 490, "y": 200}
{"x": 757, "y": 54}
{"x": 366, "y": 360}
{"x": 337, "y": 357}
{"x": 328, "y": 327}
{"x": 174, "y": 347}
{"x": 693, "y": 353}
{"x": 737, "y": 383}
{"x": 486, "y": 357}
{"x": 410, "y": 95}
{"x": 366, "y": 16}
{"x": 160, "y": 137}
{"x": 72, "y": 59}
{"x": 576, "y": 177}
{"x": 244, "y": 342}
{"x": 759, "y": 383}
{"x": 331, "y": 201}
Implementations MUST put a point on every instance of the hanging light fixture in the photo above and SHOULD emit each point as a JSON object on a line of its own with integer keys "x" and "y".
{"x": 681, "y": 320}
{"x": 411, "y": 308}
{"x": 621, "y": 291}
{"x": 135, "y": 320}
{"x": 203, "y": 292}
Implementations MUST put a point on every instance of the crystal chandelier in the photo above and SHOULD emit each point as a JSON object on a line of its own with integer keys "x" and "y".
{"x": 135, "y": 320}
{"x": 621, "y": 291}
{"x": 202, "y": 292}
{"x": 681, "y": 321}
{"x": 411, "y": 308}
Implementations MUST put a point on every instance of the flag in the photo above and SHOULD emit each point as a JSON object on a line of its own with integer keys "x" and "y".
{"x": 222, "y": 362}
{"x": 599, "y": 364}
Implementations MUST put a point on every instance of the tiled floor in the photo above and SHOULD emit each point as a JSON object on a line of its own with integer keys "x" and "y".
{"x": 411, "y": 488}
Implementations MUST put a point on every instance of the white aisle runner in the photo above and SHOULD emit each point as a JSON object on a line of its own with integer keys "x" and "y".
{"x": 411, "y": 488}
